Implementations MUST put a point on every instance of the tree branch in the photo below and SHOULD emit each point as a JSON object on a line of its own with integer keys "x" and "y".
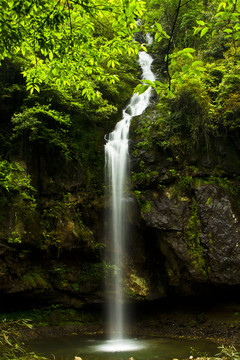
{"x": 70, "y": 19}
{"x": 170, "y": 43}
{"x": 186, "y": 3}
{"x": 171, "y": 40}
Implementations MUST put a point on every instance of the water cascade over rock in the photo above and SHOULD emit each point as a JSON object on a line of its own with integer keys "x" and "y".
{"x": 117, "y": 174}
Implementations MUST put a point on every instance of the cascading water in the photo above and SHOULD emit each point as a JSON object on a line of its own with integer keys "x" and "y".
{"x": 153, "y": 348}
{"x": 117, "y": 174}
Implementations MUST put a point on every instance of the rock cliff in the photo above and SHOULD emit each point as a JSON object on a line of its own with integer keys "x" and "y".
{"x": 184, "y": 218}
{"x": 187, "y": 212}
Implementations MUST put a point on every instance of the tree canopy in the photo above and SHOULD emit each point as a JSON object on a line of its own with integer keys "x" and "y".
{"x": 185, "y": 31}
{"x": 69, "y": 44}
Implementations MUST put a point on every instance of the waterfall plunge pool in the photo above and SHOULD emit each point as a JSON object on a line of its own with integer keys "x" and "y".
{"x": 96, "y": 348}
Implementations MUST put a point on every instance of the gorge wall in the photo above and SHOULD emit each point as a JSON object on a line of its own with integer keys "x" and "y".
{"x": 188, "y": 211}
{"x": 185, "y": 204}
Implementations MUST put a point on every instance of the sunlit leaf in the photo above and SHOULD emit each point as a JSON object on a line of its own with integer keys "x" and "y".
{"x": 159, "y": 27}
{"x": 204, "y": 31}
{"x": 143, "y": 89}
{"x": 200, "y": 22}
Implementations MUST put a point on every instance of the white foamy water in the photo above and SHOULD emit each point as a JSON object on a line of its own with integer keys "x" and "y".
{"x": 117, "y": 174}
{"x": 120, "y": 345}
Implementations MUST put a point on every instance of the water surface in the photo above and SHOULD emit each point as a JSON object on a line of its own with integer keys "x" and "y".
{"x": 66, "y": 348}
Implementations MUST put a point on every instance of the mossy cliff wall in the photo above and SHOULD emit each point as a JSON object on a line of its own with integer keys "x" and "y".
{"x": 187, "y": 200}
{"x": 52, "y": 190}
{"x": 184, "y": 220}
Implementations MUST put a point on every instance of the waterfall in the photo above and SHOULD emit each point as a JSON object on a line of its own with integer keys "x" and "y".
{"x": 117, "y": 175}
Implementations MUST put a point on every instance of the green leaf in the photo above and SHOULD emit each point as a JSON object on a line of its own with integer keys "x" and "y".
{"x": 143, "y": 89}
{"x": 170, "y": 93}
{"x": 143, "y": 48}
{"x": 159, "y": 83}
{"x": 196, "y": 30}
{"x": 201, "y": 68}
{"x": 221, "y": 13}
{"x": 36, "y": 87}
{"x": 149, "y": 82}
{"x": 187, "y": 50}
{"x": 204, "y": 30}
{"x": 179, "y": 81}
{"x": 189, "y": 56}
{"x": 50, "y": 55}
{"x": 23, "y": 50}
{"x": 137, "y": 87}
{"x": 158, "y": 37}
{"x": 195, "y": 63}
{"x": 200, "y": 22}
{"x": 159, "y": 27}
{"x": 165, "y": 34}
{"x": 221, "y": 5}
{"x": 185, "y": 68}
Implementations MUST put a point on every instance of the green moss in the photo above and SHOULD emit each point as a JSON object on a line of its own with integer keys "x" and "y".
{"x": 92, "y": 272}
{"x": 145, "y": 176}
{"x": 136, "y": 287}
{"x": 62, "y": 220}
{"x": 35, "y": 281}
{"x": 185, "y": 184}
{"x": 144, "y": 145}
{"x": 15, "y": 237}
{"x": 75, "y": 287}
{"x": 140, "y": 177}
{"x": 145, "y": 205}
{"x": 211, "y": 242}
{"x": 224, "y": 183}
{"x": 193, "y": 240}
{"x": 16, "y": 198}
{"x": 51, "y": 316}
{"x": 209, "y": 200}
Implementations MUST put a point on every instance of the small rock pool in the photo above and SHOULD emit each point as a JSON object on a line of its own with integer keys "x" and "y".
{"x": 67, "y": 347}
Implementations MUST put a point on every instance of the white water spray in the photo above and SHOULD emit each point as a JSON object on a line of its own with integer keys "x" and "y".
{"x": 117, "y": 174}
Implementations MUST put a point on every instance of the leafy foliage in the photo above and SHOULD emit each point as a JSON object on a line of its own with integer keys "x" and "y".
{"x": 181, "y": 62}
{"x": 11, "y": 343}
{"x": 229, "y": 352}
{"x": 17, "y": 199}
{"x": 14, "y": 181}
{"x": 42, "y": 124}
{"x": 69, "y": 44}
{"x": 60, "y": 221}
{"x": 199, "y": 89}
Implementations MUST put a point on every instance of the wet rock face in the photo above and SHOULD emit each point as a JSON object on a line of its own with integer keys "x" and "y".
{"x": 52, "y": 254}
{"x": 220, "y": 234}
{"x": 184, "y": 228}
{"x": 208, "y": 253}
{"x": 165, "y": 213}
{"x": 188, "y": 218}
